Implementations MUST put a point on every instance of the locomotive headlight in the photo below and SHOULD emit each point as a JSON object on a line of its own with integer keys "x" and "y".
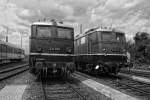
{"x": 104, "y": 49}
{"x": 97, "y": 66}
{"x": 124, "y": 50}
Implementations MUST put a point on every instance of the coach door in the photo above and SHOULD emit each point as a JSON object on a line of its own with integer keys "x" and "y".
{"x": 89, "y": 46}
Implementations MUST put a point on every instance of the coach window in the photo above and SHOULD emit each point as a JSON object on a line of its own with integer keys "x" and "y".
{"x": 33, "y": 31}
{"x": 15, "y": 51}
{"x": 83, "y": 40}
{"x": 78, "y": 42}
{"x": 0, "y": 48}
{"x": 12, "y": 50}
{"x": 4, "y": 49}
{"x": 7, "y": 49}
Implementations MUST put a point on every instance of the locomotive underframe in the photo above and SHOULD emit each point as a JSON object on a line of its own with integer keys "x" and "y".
{"x": 51, "y": 66}
{"x": 98, "y": 64}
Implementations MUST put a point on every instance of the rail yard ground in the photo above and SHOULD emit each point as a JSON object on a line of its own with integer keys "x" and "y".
{"x": 78, "y": 86}
{"x": 26, "y": 87}
{"x": 132, "y": 85}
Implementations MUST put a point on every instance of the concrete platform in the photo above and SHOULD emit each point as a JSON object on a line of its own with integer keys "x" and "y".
{"x": 12, "y": 92}
{"x": 107, "y": 91}
{"x": 138, "y": 78}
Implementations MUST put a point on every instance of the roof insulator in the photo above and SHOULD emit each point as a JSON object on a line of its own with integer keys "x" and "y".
{"x": 54, "y": 22}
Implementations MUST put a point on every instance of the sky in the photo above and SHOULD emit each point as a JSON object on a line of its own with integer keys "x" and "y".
{"x": 16, "y": 16}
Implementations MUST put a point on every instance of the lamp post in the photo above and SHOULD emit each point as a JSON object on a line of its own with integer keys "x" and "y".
{"x": 6, "y": 34}
{"x": 23, "y": 33}
{"x": 21, "y": 40}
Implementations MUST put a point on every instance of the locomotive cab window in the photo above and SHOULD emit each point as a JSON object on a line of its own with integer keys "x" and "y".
{"x": 64, "y": 33}
{"x": 44, "y": 32}
{"x": 52, "y": 32}
{"x": 108, "y": 36}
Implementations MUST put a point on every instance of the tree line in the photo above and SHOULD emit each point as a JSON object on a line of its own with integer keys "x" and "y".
{"x": 140, "y": 48}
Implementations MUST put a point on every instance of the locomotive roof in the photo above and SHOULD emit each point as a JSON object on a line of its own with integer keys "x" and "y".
{"x": 9, "y": 44}
{"x": 51, "y": 23}
{"x": 102, "y": 29}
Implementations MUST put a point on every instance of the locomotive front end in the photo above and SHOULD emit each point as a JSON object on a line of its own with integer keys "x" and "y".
{"x": 113, "y": 48}
{"x": 51, "y": 50}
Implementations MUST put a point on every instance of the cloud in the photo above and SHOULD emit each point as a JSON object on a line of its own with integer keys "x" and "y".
{"x": 10, "y": 22}
{"x": 130, "y": 16}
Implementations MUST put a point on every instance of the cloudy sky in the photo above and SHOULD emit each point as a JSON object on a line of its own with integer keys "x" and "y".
{"x": 16, "y": 16}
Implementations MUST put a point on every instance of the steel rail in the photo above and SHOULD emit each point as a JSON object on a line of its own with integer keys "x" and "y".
{"x": 12, "y": 72}
{"x": 142, "y": 74}
{"x": 76, "y": 91}
{"x": 12, "y": 68}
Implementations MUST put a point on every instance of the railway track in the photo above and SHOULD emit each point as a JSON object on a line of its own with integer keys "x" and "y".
{"x": 132, "y": 86}
{"x": 137, "y": 73}
{"x": 9, "y": 72}
{"x": 61, "y": 90}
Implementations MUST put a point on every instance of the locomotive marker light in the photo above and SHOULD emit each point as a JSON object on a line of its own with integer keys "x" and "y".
{"x": 97, "y": 67}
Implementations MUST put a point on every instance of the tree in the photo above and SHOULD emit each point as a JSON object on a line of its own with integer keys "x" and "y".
{"x": 142, "y": 47}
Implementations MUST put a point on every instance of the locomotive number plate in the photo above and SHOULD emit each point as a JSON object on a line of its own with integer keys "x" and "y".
{"x": 54, "y": 49}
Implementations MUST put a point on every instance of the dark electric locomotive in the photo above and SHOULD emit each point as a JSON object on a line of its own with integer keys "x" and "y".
{"x": 51, "y": 49}
{"x": 100, "y": 50}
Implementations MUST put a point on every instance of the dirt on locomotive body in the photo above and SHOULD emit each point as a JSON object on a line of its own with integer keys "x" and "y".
{"x": 101, "y": 50}
{"x": 51, "y": 49}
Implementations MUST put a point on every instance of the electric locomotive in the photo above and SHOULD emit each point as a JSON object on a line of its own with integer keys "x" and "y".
{"x": 100, "y": 50}
{"x": 51, "y": 49}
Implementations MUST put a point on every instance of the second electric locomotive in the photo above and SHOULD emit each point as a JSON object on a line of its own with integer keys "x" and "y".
{"x": 100, "y": 50}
